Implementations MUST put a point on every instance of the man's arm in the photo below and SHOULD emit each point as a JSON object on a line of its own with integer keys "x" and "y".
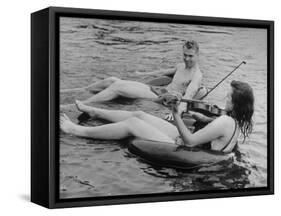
{"x": 167, "y": 72}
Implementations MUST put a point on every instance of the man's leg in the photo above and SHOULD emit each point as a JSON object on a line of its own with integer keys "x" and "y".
{"x": 200, "y": 93}
{"x": 102, "y": 84}
{"x": 95, "y": 87}
{"x": 129, "y": 89}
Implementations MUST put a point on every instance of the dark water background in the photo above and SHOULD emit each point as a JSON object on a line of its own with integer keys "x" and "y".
{"x": 93, "y": 49}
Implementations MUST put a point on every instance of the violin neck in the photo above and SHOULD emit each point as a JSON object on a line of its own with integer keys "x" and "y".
{"x": 192, "y": 100}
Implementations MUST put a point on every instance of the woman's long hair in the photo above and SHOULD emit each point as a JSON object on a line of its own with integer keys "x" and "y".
{"x": 243, "y": 106}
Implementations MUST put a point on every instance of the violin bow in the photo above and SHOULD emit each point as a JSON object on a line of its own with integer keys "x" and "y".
{"x": 200, "y": 100}
{"x": 243, "y": 62}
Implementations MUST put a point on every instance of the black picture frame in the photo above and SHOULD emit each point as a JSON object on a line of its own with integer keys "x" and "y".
{"x": 45, "y": 106}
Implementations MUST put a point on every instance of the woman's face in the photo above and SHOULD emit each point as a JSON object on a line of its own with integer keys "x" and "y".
{"x": 228, "y": 102}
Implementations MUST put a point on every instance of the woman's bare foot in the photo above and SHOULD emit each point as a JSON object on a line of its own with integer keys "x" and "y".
{"x": 84, "y": 108}
{"x": 66, "y": 124}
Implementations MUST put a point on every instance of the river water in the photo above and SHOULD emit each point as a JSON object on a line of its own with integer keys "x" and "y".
{"x": 93, "y": 49}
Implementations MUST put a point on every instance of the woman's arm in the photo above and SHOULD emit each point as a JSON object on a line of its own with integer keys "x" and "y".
{"x": 183, "y": 131}
{"x": 207, "y": 134}
{"x": 201, "y": 117}
{"x": 191, "y": 89}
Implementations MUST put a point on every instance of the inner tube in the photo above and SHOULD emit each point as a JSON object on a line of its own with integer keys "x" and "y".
{"x": 160, "y": 81}
{"x": 168, "y": 155}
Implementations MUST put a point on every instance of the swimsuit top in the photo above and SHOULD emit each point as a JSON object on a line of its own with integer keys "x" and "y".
{"x": 208, "y": 146}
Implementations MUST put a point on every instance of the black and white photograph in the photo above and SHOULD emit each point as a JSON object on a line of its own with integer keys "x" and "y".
{"x": 161, "y": 107}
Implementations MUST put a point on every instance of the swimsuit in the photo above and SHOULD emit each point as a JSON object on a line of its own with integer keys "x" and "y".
{"x": 161, "y": 90}
{"x": 158, "y": 90}
{"x": 208, "y": 146}
{"x": 177, "y": 89}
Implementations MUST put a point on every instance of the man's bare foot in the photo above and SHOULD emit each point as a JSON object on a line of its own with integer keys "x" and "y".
{"x": 94, "y": 90}
{"x": 84, "y": 108}
{"x": 66, "y": 124}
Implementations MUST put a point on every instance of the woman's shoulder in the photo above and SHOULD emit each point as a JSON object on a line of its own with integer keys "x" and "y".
{"x": 225, "y": 120}
{"x": 222, "y": 124}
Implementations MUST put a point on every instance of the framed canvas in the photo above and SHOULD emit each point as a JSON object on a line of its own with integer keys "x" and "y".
{"x": 138, "y": 107}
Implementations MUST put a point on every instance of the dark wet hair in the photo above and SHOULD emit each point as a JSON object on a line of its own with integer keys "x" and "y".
{"x": 243, "y": 106}
{"x": 191, "y": 44}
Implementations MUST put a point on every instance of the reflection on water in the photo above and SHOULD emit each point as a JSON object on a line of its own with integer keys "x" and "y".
{"x": 93, "y": 49}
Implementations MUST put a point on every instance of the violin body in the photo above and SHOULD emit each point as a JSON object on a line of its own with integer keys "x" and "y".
{"x": 194, "y": 105}
{"x": 204, "y": 108}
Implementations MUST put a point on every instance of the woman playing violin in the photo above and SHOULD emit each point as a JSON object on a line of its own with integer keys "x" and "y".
{"x": 220, "y": 134}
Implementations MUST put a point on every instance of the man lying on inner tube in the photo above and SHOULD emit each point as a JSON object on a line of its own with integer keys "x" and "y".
{"x": 221, "y": 134}
{"x": 186, "y": 82}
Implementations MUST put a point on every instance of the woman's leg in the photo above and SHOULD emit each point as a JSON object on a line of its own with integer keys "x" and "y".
{"x": 121, "y": 115}
{"x": 115, "y": 131}
{"x": 125, "y": 88}
{"x": 109, "y": 115}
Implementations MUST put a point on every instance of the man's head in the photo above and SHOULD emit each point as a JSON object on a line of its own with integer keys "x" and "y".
{"x": 190, "y": 53}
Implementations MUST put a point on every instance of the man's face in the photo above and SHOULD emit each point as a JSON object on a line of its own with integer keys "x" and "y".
{"x": 190, "y": 57}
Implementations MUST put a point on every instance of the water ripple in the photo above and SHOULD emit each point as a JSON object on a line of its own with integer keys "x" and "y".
{"x": 92, "y": 50}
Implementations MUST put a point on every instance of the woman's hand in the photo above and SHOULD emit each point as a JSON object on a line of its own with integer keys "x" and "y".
{"x": 175, "y": 111}
{"x": 170, "y": 100}
{"x": 175, "y": 105}
{"x": 175, "y": 108}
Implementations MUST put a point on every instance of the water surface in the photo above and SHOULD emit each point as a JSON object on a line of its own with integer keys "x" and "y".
{"x": 93, "y": 49}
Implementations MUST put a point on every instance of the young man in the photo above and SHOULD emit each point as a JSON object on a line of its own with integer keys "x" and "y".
{"x": 186, "y": 82}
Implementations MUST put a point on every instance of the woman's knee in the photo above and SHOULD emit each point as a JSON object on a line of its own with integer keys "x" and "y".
{"x": 112, "y": 79}
{"x": 139, "y": 114}
{"x": 132, "y": 121}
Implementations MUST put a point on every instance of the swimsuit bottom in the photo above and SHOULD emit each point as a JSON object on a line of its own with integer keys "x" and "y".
{"x": 161, "y": 90}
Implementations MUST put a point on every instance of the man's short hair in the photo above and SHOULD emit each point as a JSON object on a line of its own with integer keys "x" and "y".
{"x": 191, "y": 44}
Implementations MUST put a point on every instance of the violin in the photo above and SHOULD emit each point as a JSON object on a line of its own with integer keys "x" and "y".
{"x": 199, "y": 105}
{"x": 194, "y": 105}
{"x": 204, "y": 107}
